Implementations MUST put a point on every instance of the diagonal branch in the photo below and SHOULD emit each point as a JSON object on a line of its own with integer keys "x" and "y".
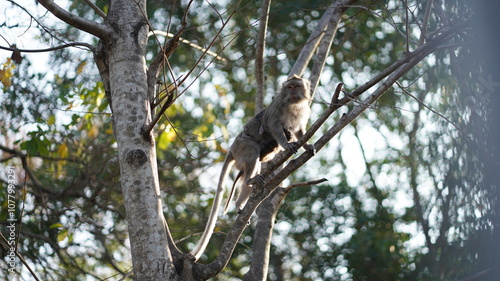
{"x": 336, "y": 9}
{"x": 94, "y": 28}
{"x": 325, "y": 45}
{"x": 259, "y": 56}
{"x": 95, "y": 8}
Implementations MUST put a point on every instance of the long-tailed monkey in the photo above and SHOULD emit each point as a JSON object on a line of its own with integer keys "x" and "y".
{"x": 276, "y": 127}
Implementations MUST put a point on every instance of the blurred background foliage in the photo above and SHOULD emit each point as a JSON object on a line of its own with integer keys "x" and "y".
{"x": 405, "y": 198}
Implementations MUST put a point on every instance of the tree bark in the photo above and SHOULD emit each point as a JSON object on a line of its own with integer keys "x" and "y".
{"x": 126, "y": 48}
{"x": 266, "y": 213}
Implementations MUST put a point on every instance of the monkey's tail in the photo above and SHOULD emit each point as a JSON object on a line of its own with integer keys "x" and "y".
{"x": 212, "y": 219}
{"x": 231, "y": 194}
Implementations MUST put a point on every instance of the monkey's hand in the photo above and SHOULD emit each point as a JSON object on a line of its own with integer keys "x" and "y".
{"x": 310, "y": 148}
{"x": 258, "y": 179}
{"x": 293, "y": 146}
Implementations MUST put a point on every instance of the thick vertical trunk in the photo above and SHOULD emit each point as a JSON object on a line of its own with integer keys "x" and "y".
{"x": 139, "y": 178}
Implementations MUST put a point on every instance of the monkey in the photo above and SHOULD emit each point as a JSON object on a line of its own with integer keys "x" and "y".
{"x": 284, "y": 122}
{"x": 277, "y": 127}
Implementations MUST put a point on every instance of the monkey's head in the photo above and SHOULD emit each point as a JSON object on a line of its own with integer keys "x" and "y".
{"x": 296, "y": 89}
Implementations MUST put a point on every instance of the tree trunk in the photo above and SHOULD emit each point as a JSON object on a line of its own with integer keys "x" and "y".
{"x": 125, "y": 49}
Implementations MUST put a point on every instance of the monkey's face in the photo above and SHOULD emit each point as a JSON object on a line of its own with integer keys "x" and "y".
{"x": 295, "y": 91}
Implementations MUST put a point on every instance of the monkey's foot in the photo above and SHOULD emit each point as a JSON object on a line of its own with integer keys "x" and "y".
{"x": 258, "y": 179}
{"x": 310, "y": 148}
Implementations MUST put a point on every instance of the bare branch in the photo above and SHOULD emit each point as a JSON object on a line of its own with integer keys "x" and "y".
{"x": 224, "y": 24}
{"x": 266, "y": 216}
{"x": 75, "y": 44}
{"x": 21, "y": 258}
{"x": 312, "y": 44}
{"x": 189, "y": 43}
{"x": 154, "y": 70}
{"x": 307, "y": 183}
{"x": 324, "y": 48}
{"x": 315, "y": 38}
{"x": 95, "y": 8}
{"x": 425, "y": 23}
{"x": 96, "y": 29}
{"x": 160, "y": 59}
{"x": 259, "y": 56}
{"x": 407, "y": 26}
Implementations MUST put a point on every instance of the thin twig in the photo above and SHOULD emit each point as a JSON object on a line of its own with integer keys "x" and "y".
{"x": 75, "y": 44}
{"x": 211, "y": 43}
{"x": 189, "y": 43}
{"x": 23, "y": 261}
{"x": 430, "y": 109}
{"x": 307, "y": 183}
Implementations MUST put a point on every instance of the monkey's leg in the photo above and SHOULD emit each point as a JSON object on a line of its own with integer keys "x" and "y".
{"x": 245, "y": 192}
{"x": 251, "y": 175}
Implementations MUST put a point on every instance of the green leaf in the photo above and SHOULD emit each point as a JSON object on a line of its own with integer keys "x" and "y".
{"x": 62, "y": 235}
{"x": 56, "y": 225}
{"x": 51, "y": 120}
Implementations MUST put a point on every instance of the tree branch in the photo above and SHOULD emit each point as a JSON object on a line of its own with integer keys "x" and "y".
{"x": 307, "y": 183}
{"x": 315, "y": 38}
{"x": 29, "y": 172}
{"x": 407, "y": 26}
{"x": 266, "y": 216}
{"x": 95, "y": 8}
{"x": 432, "y": 110}
{"x": 266, "y": 213}
{"x": 312, "y": 44}
{"x": 324, "y": 47}
{"x": 75, "y": 44}
{"x": 96, "y": 29}
{"x": 259, "y": 56}
{"x": 6, "y": 246}
{"x": 159, "y": 60}
{"x": 425, "y": 24}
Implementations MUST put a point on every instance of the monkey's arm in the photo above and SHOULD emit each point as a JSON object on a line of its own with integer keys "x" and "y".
{"x": 307, "y": 146}
{"x": 278, "y": 132}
